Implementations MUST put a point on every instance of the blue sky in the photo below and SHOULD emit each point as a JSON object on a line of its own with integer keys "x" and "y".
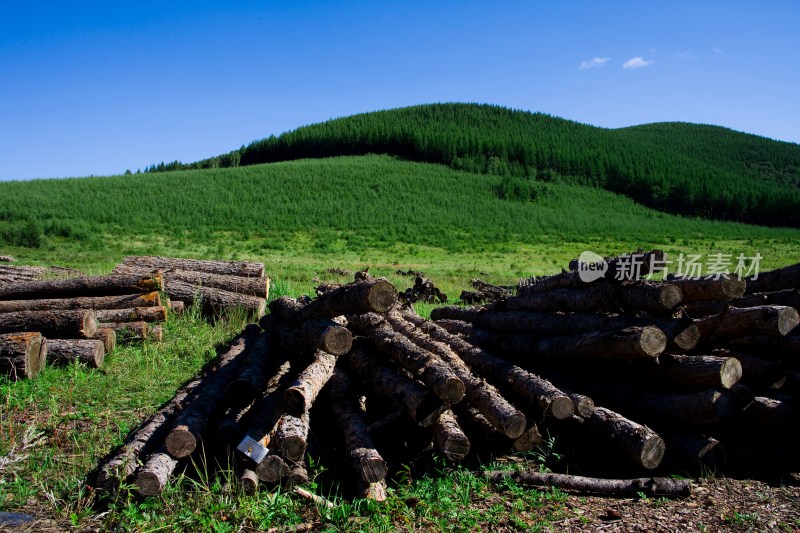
{"x": 100, "y": 87}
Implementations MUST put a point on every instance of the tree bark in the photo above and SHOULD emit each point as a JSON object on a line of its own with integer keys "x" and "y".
{"x": 584, "y": 406}
{"x": 482, "y": 395}
{"x": 300, "y": 396}
{"x": 63, "y": 352}
{"x": 22, "y": 355}
{"x": 82, "y": 286}
{"x": 135, "y": 314}
{"x": 481, "y": 432}
{"x": 775, "y": 280}
{"x": 771, "y": 348}
{"x": 370, "y": 296}
{"x": 658, "y": 299}
{"x": 769, "y": 320}
{"x": 772, "y": 417}
{"x": 695, "y": 450}
{"x": 417, "y": 402}
{"x": 22, "y": 272}
{"x": 372, "y": 491}
{"x": 262, "y": 417}
{"x": 701, "y": 371}
{"x": 177, "y": 307}
{"x": 654, "y": 486}
{"x": 757, "y": 372}
{"x": 124, "y": 301}
{"x": 129, "y": 331}
{"x": 226, "y": 268}
{"x": 709, "y": 289}
{"x": 153, "y": 476}
{"x": 214, "y": 301}
{"x": 298, "y": 474}
{"x": 251, "y": 286}
{"x": 529, "y": 389}
{"x": 639, "y": 444}
{"x": 426, "y": 366}
{"x": 350, "y": 415}
{"x": 320, "y": 334}
{"x": 626, "y": 267}
{"x": 108, "y": 337}
{"x": 190, "y": 426}
{"x": 272, "y": 468}
{"x": 244, "y": 389}
{"x": 449, "y": 438}
{"x": 7, "y": 259}
{"x": 80, "y": 324}
{"x": 291, "y": 437}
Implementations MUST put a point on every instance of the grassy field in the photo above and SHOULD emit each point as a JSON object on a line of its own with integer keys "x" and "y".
{"x": 300, "y": 218}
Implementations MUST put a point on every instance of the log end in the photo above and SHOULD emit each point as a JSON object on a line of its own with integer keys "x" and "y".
{"x": 337, "y": 340}
{"x": 730, "y": 372}
{"x": 89, "y": 324}
{"x": 249, "y": 482}
{"x": 180, "y": 442}
{"x": 788, "y": 319}
{"x": 561, "y": 407}
{"x": 451, "y": 390}
{"x": 652, "y": 452}
{"x": 108, "y": 337}
{"x": 97, "y": 356}
{"x": 515, "y": 425}
{"x": 293, "y": 448}
{"x": 652, "y": 341}
{"x": 272, "y": 469}
{"x": 670, "y": 296}
{"x": 526, "y": 442}
{"x": 733, "y": 287}
{"x": 148, "y": 483}
{"x": 371, "y": 469}
{"x": 687, "y": 338}
{"x": 382, "y": 296}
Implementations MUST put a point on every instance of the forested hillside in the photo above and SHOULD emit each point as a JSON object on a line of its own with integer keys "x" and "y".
{"x": 694, "y": 170}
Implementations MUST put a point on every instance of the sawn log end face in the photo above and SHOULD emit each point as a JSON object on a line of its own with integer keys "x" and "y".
{"x": 382, "y": 296}
{"x": 652, "y": 341}
{"x": 652, "y": 452}
{"x": 561, "y": 407}
{"x": 688, "y": 337}
{"x": 180, "y": 442}
{"x": 337, "y": 340}
{"x": 671, "y": 296}
{"x": 730, "y": 373}
{"x": 515, "y": 425}
{"x": 788, "y": 319}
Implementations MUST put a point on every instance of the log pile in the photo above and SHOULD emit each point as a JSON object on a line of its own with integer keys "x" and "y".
{"x": 215, "y": 285}
{"x": 423, "y": 290}
{"x": 485, "y": 292}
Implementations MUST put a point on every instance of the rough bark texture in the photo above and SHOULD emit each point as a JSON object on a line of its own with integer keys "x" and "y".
{"x": 639, "y": 444}
{"x": 723, "y": 288}
{"x": 349, "y": 414}
{"x": 449, "y": 438}
{"x": 482, "y": 433}
{"x": 372, "y": 491}
{"x": 775, "y": 280}
{"x": 695, "y": 450}
{"x": 529, "y": 389}
{"x": 298, "y": 474}
{"x": 654, "y": 486}
{"x": 426, "y": 366}
{"x": 61, "y": 352}
{"x": 326, "y": 335}
{"x": 480, "y": 394}
{"x": 417, "y": 402}
{"x": 134, "y": 314}
{"x": 262, "y": 417}
{"x": 300, "y": 396}
{"x": 701, "y": 371}
{"x": 369, "y": 296}
{"x": 768, "y": 320}
{"x": 7, "y": 259}
{"x": 227, "y": 268}
{"x": 153, "y": 476}
{"x": 291, "y": 437}
{"x": 82, "y": 286}
{"x": 654, "y": 298}
{"x": 757, "y": 372}
{"x": 769, "y": 347}
{"x": 773, "y": 417}
{"x": 243, "y": 390}
{"x": 177, "y": 307}
{"x": 22, "y": 355}
{"x": 285, "y": 308}
{"x": 584, "y": 406}
{"x": 188, "y": 429}
{"x": 252, "y": 286}
{"x": 272, "y": 468}
{"x": 72, "y": 324}
{"x": 129, "y": 331}
{"x": 214, "y": 300}
{"x": 124, "y": 301}
{"x": 108, "y": 337}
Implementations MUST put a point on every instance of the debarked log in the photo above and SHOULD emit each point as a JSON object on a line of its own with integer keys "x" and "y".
{"x": 22, "y": 355}
{"x": 71, "y": 324}
{"x": 81, "y": 286}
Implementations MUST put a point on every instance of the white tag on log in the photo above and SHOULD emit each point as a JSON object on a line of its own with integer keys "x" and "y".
{"x": 253, "y": 449}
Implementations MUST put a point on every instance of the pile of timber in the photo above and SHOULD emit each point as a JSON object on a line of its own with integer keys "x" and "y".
{"x": 7, "y": 259}
{"x": 423, "y": 290}
{"x": 80, "y": 318}
{"x": 485, "y": 292}
{"x": 217, "y": 286}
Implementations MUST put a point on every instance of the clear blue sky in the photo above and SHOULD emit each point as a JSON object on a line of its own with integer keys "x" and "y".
{"x": 100, "y": 87}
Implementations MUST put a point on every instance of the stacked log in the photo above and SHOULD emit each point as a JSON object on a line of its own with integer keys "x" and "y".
{"x": 423, "y": 290}
{"x": 485, "y": 292}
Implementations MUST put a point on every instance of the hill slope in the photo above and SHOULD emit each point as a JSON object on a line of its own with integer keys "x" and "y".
{"x": 682, "y": 168}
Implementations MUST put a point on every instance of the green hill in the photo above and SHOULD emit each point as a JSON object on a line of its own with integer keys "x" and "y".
{"x": 690, "y": 169}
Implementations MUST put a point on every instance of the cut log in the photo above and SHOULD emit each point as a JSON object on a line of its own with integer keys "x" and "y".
{"x": 639, "y": 444}
{"x": 417, "y": 402}
{"x": 769, "y": 320}
{"x": 482, "y": 434}
{"x": 80, "y": 324}
{"x": 22, "y": 355}
{"x": 82, "y": 286}
{"x": 156, "y": 334}
{"x": 775, "y": 280}
{"x": 298, "y": 475}
{"x": 449, "y": 438}
{"x": 300, "y": 396}
{"x": 248, "y": 480}
{"x": 772, "y": 417}
{"x": 654, "y": 298}
{"x": 584, "y": 406}
{"x": 370, "y": 296}
{"x": 251, "y": 286}
{"x": 129, "y": 331}
{"x": 22, "y": 272}
{"x": 721, "y": 288}
{"x": 653, "y": 486}
{"x": 7, "y": 259}
{"x": 153, "y": 476}
{"x": 326, "y": 335}
{"x": 757, "y": 372}
{"x": 701, "y": 371}
{"x": 226, "y": 268}
{"x": 361, "y": 452}
{"x": 626, "y": 267}
{"x": 177, "y": 307}
{"x": 529, "y": 389}
{"x": 108, "y": 337}
{"x": 272, "y": 468}
{"x": 214, "y": 301}
{"x": 61, "y": 352}
{"x": 695, "y": 450}
{"x": 423, "y": 364}
{"x": 252, "y": 375}
{"x": 480, "y": 394}
{"x": 372, "y": 491}
{"x": 190, "y": 426}
{"x": 125, "y": 301}
{"x": 134, "y": 314}
{"x": 771, "y": 348}
{"x": 291, "y": 437}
